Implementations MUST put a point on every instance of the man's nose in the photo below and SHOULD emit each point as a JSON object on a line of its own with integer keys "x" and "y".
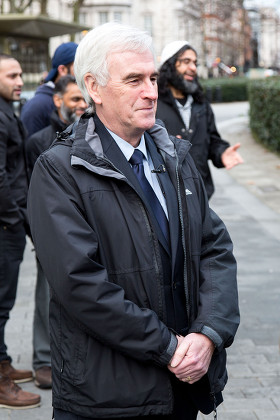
{"x": 82, "y": 103}
{"x": 19, "y": 81}
{"x": 150, "y": 90}
{"x": 192, "y": 66}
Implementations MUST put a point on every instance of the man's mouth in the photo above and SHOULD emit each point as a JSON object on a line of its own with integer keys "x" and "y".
{"x": 80, "y": 111}
{"x": 188, "y": 77}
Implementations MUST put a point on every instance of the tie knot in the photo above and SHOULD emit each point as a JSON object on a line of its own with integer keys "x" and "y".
{"x": 136, "y": 158}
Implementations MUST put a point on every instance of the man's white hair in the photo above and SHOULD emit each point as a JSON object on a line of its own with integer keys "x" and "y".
{"x": 92, "y": 52}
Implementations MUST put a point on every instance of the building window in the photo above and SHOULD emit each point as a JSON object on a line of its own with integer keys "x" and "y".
{"x": 118, "y": 17}
{"x": 103, "y": 17}
{"x": 83, "y": 18}
{"x": 148, "y": 24}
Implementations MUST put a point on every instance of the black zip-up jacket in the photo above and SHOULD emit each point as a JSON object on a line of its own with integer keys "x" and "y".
{"x": 202, "y": 133}
{"x": 41, "y": 140}
{"x": 96, "y": 242}
{"x": 14, "y": 175}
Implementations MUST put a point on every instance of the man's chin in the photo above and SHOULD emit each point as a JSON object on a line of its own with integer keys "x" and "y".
{"x": 149, "y": 123}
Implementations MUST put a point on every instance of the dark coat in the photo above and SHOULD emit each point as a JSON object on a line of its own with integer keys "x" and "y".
{"x": 202, "y": 133}
{"x": 42, "y": 140}
{"x": 98, "y": 245}
{"x": 13, "y": 168}
{"x": 36, "y": 112}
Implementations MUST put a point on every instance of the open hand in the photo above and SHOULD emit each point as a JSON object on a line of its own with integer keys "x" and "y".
{"x": 231, "y": 157}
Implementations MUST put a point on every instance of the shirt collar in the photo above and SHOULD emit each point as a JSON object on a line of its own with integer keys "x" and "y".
{"x": 127, "y": 148}
{"x": 188, "y": 103}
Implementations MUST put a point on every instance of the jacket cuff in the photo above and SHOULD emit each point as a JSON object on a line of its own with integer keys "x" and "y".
{"x": 213, "y": 335}
{"x": 170, "y": 350}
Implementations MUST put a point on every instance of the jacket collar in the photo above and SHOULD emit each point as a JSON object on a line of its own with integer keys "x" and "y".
{"x": 6, "y": 107}
{"x": 87, "y": 144}
{"x": 56, "y": 122}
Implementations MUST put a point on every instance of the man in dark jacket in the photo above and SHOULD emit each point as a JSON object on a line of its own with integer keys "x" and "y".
{"x": 35, "y": 116}
{"x": 36, "y": 113}
{"x": 142, "y": 275}
{"x": 186, "y": 114}
{"x": 70, "y": 105}
{"x": 13, "y": 222}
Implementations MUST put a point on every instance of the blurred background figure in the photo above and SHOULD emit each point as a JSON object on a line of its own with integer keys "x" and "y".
{"x": 69, "y": 106}
{"x": 187, "y": 114}
{"x": 36, "y": 115}
{"x": 36, "y": 112}
{"x": 13, "y": 226}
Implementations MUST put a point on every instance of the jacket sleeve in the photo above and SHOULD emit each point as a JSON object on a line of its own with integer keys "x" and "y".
{"x": 218, "y": 313}
{"x": 35, "y": 114}
{"x": 8, "y": 202}
{"x": 33, "y": 149}
{"x": 216, "y": 144}
{"x": 67, "y": 248}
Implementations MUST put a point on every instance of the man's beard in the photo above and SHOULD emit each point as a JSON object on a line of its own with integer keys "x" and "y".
{"x": 68, "y": 114}
{"x": 187, "y": 87}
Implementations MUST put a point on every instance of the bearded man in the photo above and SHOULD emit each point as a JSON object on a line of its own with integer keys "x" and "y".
{"x": 187, "y": 114}
{"x": 69, "y": 106}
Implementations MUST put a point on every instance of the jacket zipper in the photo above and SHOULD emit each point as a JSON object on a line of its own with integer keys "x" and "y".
{"x": 157, "y": 270}
{"x": 186, "y": 265}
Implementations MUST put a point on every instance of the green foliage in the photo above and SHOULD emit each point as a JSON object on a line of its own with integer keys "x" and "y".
{"x": 226, "y": 89}
{"x": 264, "y": 98}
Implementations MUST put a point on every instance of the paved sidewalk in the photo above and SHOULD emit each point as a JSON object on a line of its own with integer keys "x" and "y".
{"x": 248, "y": 200}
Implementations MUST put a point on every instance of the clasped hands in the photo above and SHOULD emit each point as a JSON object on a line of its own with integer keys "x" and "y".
{"x": 192, "y": 357}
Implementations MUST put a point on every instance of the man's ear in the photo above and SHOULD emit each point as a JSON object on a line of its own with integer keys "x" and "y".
{"x": 62, "y": 70}
{"x": 57, "y": 99}
{"x": 92, "y": 88}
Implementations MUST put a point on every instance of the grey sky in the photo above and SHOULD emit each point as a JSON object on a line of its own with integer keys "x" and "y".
{"x": 264, "y": 3}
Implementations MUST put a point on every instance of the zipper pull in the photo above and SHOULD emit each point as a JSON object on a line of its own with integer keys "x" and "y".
{"x": 62, "y": 366}
{"x": 215, "y": 413}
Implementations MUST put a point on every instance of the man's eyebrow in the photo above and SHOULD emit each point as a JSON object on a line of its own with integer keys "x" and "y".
{"x": 13, "y": 74}
{"x": 136, "y": 75}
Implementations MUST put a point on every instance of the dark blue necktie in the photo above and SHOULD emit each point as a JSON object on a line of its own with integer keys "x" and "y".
{"x": 136, "y": 161}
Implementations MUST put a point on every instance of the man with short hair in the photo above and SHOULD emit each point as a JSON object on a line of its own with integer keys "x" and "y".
{"x": 36, "y": 112}
{"x": 187, "y": 114}
{"x": 142, "y": 275}
{"x": 35, "y": 115}
{"x": 70, "y": 105}
{"x": 13, "y": 225}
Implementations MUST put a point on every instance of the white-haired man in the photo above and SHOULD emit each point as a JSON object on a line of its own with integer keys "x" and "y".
{"x": 143, "y": 280}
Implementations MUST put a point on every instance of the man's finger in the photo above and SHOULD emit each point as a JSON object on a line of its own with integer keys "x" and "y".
{"x": 180, "y": 353}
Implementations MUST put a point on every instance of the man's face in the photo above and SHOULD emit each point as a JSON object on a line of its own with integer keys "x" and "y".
{"x": 71, "y": 105}
{"x": 186, "y": 65}
{"x": 127, "y": 104}
{"x": 10, "y": 79}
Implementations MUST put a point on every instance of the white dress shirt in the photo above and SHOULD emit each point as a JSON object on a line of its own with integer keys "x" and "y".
{"x": 128, "y": 150}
